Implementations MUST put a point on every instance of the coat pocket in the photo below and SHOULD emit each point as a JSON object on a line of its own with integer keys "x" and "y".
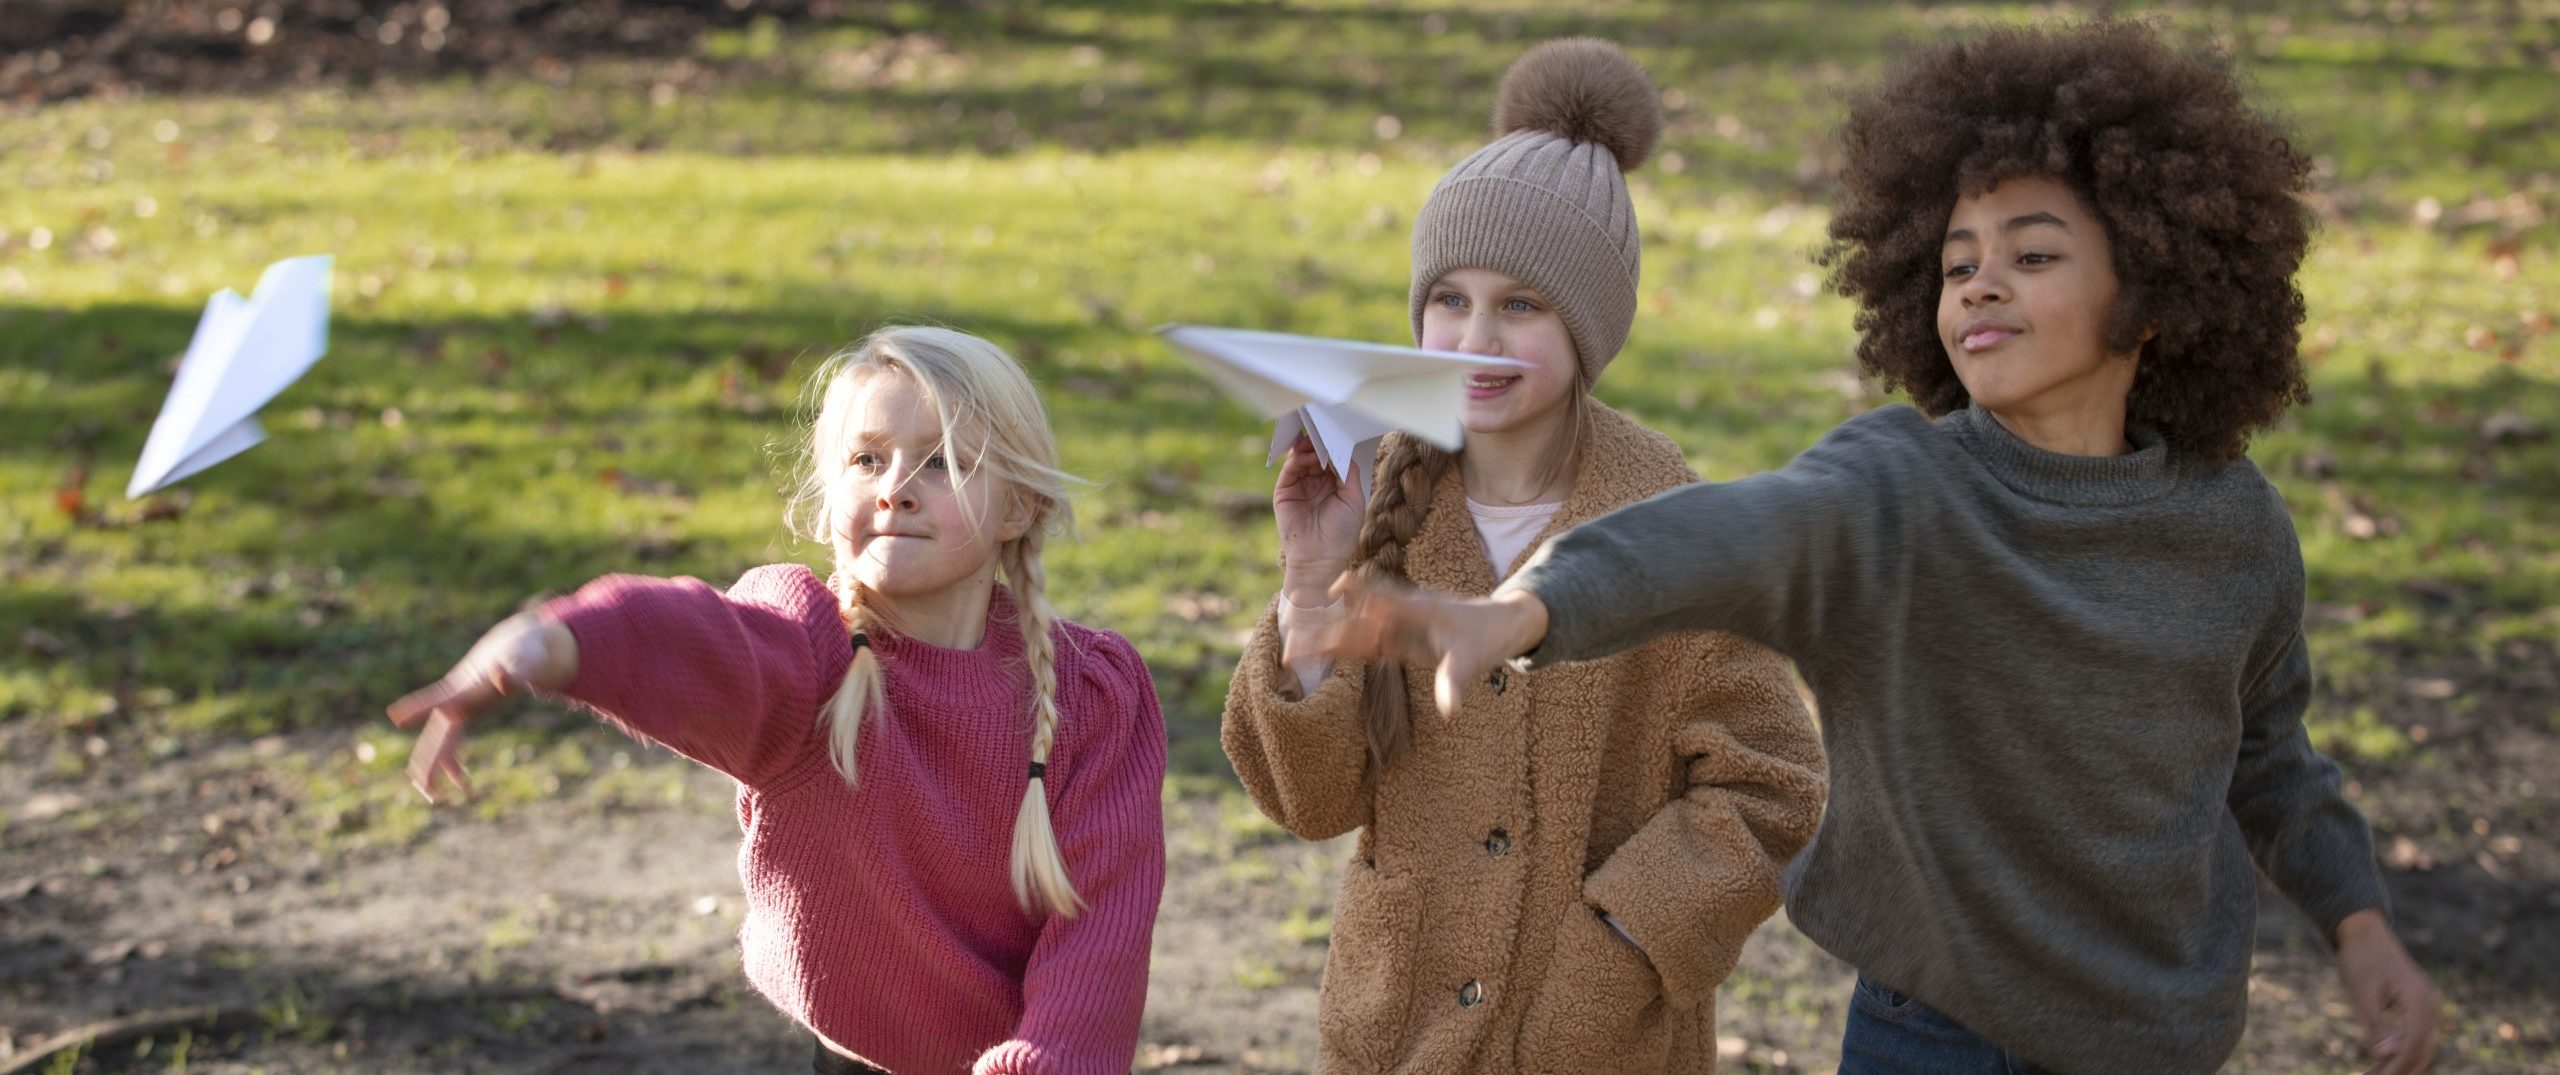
{"x": 1599, "y": 1006}
{"x": 1364, "y": 1010}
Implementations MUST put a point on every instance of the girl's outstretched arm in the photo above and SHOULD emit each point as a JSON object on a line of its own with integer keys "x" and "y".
{"x": 733, "y": 680}
{"x": 1086, "y": 984}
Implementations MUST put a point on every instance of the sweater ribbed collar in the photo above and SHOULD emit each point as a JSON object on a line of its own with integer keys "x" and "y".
{"x": 988, "y": 676}
{"x": 2078, "y": 480}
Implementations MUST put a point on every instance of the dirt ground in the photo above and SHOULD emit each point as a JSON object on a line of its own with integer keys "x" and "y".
{"x": 561, "y": 938}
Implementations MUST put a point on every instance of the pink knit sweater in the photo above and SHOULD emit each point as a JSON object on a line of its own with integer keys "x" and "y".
{"x": 883, "y": 917}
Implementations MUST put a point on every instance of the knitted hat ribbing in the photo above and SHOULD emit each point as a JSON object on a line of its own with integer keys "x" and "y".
{"x": 1545, "y": 203}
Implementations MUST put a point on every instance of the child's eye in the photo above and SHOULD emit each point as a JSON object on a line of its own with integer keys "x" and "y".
{"x": 2034, "y": 259}
{"x": 1958, "y": 271}
{"x": 1520, "y": 306}
{"x": 936, "y": 461}
{"x": 1449, "y": 299}
{"x": 866, "y": 460}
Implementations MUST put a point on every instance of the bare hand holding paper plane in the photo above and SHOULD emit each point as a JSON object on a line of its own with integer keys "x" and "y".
{"x": 1342, "y": 394}
{"x": 244, "y": 353}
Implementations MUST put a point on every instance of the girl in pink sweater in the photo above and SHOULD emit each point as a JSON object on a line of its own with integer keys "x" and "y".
{"x": 903, "y": 733}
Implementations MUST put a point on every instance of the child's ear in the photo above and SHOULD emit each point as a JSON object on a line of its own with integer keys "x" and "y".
{"x": 1017, "y": 518}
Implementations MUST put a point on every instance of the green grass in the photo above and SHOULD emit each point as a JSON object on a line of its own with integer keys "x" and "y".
{"x": 572, "y": 318}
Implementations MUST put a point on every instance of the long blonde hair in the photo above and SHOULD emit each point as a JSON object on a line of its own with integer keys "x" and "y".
{"x": 975, "y": 387}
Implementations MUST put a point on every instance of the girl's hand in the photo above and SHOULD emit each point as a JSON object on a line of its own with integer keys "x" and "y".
{"x": 2392, "y": 997}
{"x": 1464, "y": 637}
{"x": 524, "y": 651}
{"x": 1319, "y": 520}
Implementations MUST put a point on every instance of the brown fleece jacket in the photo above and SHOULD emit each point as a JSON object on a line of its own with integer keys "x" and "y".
{"x": 1666, "y": 786}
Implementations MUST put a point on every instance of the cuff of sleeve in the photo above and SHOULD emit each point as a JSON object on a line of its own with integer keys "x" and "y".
{"x": 1262, "y": 672}
{"x": 1299, "y": 626}
{"x": 1530, "y": 580}
{"x": 594, "y": 617}
{"x": 2365, "y": 894}
{"x": 1016, "y": 1057}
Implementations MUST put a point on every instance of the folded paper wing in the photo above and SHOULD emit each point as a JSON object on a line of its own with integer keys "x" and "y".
{"x": 1343, "y": 394}
{"x": 244, "y": 353}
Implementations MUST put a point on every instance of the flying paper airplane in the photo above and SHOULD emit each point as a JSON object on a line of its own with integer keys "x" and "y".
{"x": 1343, "y": 394}
{"x": 245, "y": 351}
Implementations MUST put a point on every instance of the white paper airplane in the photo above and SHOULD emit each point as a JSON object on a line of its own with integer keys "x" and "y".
{"x": 1346, "y": 440}
{"x": 1344, "y": 394}
{"x": 245, "y": 351}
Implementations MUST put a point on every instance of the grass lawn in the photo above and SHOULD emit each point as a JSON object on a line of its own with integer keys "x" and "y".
{"x": 573, "y": 311}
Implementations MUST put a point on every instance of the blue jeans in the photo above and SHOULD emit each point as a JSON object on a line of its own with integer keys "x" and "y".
{"x": 1892, "y": 1034}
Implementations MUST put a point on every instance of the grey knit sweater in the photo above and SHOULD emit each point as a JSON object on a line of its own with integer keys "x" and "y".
{"x": 2062, "y": 698}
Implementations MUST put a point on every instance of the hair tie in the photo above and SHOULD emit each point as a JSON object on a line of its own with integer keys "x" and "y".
{"x": 861, "y": 639}
{"x": 1037, "y": 768}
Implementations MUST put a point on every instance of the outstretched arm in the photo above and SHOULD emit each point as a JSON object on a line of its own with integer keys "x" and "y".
{"x": 1783, "y": 558}
{"x": 731, "y": 680}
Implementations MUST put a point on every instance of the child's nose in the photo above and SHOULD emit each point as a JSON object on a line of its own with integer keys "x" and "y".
{"x": 1984, "y": 287}
{"x": 897, "y": 491}
{"x": 1480, "y": 338}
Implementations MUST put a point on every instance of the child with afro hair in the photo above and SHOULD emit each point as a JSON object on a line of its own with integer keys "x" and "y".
{"x": 2052, "y": 617}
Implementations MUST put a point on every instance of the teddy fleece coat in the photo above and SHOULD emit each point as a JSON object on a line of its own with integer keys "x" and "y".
{"x": 1666, "y": 787}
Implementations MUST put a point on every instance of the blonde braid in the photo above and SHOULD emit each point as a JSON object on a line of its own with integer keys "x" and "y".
{"x": 863, "y": 688}
{"x": 1039, "y": 867}
{"x": 1409, "y": 472}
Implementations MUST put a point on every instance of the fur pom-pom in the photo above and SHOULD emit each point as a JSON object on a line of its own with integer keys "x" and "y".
{"x": 1583, "y": 89}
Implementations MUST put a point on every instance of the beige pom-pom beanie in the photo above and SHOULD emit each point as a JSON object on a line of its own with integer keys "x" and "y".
{"x": 1546, "y": 202}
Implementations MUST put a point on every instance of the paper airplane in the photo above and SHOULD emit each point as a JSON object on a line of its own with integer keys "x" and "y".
{"x": 1346, "y": 440}
{"x": 245, "y": 351}
{"x": 1344, "y": 394}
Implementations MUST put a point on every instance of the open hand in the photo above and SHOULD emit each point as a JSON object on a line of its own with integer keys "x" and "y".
{"x": 1463, "y": 637}
{"x": 2392, "y": 997}
{"x": 523, "y": 652}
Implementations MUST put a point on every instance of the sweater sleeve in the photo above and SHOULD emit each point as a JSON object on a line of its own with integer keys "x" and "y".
{"x": 733, "y": 680}
{"x": 2301, "y": 829}
{"x": 1304, "y": 760}
{"x": 1691, "y": 884}
{"x": 1086, "y": 984}
{"x": 1778, "y": 558}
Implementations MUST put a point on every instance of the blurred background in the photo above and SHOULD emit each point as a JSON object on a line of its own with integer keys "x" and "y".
{"x": 586, "y": 252}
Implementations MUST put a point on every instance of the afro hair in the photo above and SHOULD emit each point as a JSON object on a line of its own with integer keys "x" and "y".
{"x": 2200, "y": 195}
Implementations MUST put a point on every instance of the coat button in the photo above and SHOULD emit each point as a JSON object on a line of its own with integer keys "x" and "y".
{"x": 1471, "y": 994}
{"x": 1500, "y": 681}
{"x": 1498, "y": 843}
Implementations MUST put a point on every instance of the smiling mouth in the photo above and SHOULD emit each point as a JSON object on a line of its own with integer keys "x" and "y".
{"x": 1483, "y": 384}
{"x": 1984, "y": 339}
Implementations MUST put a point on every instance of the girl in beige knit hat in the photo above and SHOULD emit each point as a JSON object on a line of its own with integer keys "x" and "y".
{"x": 1551, "y": 892}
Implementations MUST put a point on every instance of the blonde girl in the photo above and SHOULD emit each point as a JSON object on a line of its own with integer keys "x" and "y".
{"x": 953, "y": 841}
{"x": 1559, "y": 881}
